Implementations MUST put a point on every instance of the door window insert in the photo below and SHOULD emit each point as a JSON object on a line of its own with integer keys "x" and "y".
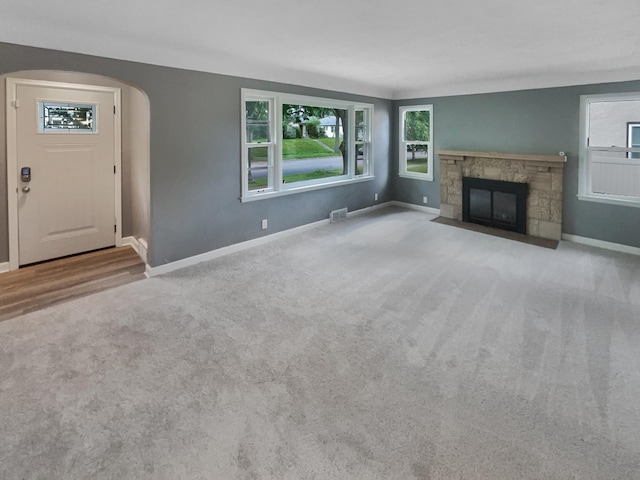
{"x": 66, "y": 117}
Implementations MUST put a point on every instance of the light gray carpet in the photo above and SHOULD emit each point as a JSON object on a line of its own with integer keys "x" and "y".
{"x": 384, "y": 347}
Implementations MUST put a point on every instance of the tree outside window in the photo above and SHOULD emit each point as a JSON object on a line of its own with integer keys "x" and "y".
{"x": 416, "y": 156}
{"x": 294, "y": 143}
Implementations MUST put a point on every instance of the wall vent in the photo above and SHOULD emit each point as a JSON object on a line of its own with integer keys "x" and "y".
{"x": 338, "y": 215}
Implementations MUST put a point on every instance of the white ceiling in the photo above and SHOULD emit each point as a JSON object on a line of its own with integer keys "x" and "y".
{"x": 391, "y": 48}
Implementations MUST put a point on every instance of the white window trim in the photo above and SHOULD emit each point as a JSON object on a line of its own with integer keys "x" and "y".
{"x": 402, "y": 147}
{"x": 271, "y": 145}
{"x": 277, "y": 188}
{"x": 584, "y": 164}
{"x": 630, "y": 127}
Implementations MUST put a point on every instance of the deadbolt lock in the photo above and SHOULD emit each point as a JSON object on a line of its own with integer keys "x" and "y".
{"x": 25, "y": 174}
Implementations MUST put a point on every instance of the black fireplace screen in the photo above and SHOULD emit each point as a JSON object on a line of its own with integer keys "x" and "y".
{"x": 495, "y": 203}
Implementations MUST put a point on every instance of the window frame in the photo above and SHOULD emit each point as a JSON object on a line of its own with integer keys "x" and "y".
{"x": 275, "y": 186}
{"x": 584, "y": 162}
{"x": 365, "y": 143}
{"x": 630, "y": 127}
{"x": 269, "y": 145}
{"x": 402, "y": 143}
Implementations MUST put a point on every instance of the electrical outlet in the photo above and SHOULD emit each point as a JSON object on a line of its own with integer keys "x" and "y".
{"x": 375, "y": 196}
{"x": 264, "y": 224}
{"x": 424, "y": 199}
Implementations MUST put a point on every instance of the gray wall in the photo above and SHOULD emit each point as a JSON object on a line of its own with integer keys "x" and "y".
{"x": 195, "y": 159}
{"x": 544, "y": 121}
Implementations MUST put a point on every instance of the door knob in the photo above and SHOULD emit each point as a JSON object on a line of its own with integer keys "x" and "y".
{"x": 26, "y": 189}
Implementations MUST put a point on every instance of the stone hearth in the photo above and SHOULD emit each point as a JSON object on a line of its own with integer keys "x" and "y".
{"x": 543, "y": 174}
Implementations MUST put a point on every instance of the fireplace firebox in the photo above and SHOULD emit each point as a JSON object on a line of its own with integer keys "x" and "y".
{"x": 495, "y": 203}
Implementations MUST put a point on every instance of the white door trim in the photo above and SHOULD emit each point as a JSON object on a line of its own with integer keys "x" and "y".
{"x": 12, "y": 156}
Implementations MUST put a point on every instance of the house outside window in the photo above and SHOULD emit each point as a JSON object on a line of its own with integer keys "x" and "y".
{"x": 416, "y": 140}
{"x": 295, "y": 143}
{"x": 609, "y": 169}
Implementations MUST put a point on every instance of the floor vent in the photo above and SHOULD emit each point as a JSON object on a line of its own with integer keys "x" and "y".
{"x": 338, "y": 215}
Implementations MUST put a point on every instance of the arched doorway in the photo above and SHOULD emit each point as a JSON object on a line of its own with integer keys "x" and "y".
{"x": 134, "y": 151}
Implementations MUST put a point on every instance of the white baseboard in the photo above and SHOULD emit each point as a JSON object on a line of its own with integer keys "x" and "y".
{"x": 616, "y": 247}
{"x": 369, "y": 209}
{"x": 4, "y": 267}
{"x": 411, "y": 206}
{"x": 138, "y": 244}
{"x": 238, "y": 247}
{"x": 133, "y": 241}
{"x": 143, "y": 247}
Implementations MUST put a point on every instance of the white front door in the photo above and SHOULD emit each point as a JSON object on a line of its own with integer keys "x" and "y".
{"x": 65, "y": 153}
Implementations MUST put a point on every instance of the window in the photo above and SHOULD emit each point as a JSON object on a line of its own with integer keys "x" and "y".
{"x": 362, "y": 143}
{"x": 416, "y": 139}
{"x": 633, "y": 138}
{"x": 296, "y": 143}
{"x": 610, "y": 148}
{"x": 66, "y": 117}
{"x": 259, "y": 143}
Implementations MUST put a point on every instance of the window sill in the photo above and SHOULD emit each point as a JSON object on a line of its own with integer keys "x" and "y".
{"x": 305, "y": 188}
{"x": 417, "y": 176}
{"x": 611, "y": 199}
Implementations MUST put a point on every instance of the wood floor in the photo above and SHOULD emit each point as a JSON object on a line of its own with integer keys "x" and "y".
{"x": 37, "y": 286}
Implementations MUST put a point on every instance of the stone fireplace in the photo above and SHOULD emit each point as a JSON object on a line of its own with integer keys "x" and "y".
{"x": 543, "y": 175}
